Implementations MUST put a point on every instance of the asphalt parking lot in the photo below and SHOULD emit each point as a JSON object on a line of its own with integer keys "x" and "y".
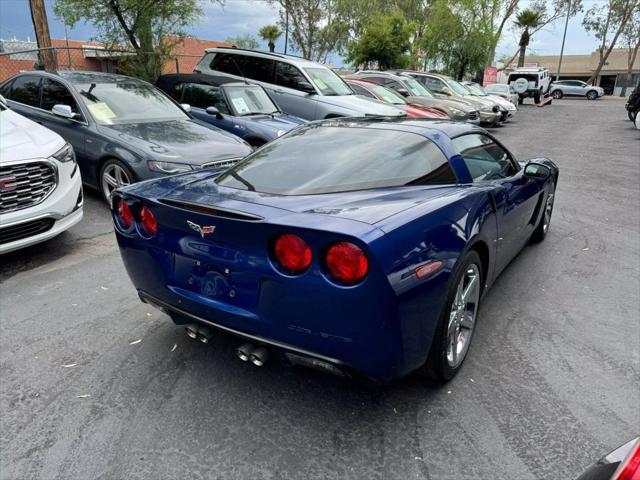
{"x": 551, "y": 383}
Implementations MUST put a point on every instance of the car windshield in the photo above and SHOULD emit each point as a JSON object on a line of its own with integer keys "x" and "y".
{"x": 458, "y": 87}
{"x": 342, "y": 159}
{"x": 250, "y": 100}
{"x": 416, "y": 89}
{"x": 127, "y": 102}
{"x": 476, "y": 89}
{"x": 388, "y": 95}
{"x": 328, "y": 82}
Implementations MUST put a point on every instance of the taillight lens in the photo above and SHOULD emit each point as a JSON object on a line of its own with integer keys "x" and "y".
{"x": 293, "y": 253}
{"x": 629, "y": 469}
{"x": 124, "y": 214}
{"x": 347, "y": 263}
{"x": 148, "y": 221}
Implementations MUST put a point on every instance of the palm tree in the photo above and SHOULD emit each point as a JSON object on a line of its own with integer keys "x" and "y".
{"x": 270, "y": 33}
{"x": 527, "y": 20}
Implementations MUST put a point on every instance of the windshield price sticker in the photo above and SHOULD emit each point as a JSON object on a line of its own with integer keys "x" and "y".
{"x": 101, "y": 111}
{"x": 241, "y": 105}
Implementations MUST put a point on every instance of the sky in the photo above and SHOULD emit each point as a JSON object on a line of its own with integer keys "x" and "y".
{"x": 239, "y": 17}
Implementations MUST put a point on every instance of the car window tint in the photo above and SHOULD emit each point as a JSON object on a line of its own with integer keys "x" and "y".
{"x": 5, "y": 89}
{"x": 55, "y": 93}
{"x": 202, "y": 96}
{"x": 288, "y": 76}
{"x": 485, "y": 159}
{"x": 260, "y": 69}
{"x": 338, "y": 162}
{"x": 361, "y": 90}
{"x": 26, "y": 89}
{"x": 434, "y": 84}
{"x": 228, "y": 63}
{"x": 177, "y": 91}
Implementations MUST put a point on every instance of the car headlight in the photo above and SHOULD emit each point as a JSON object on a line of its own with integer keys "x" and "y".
{"x": 65, "y": 154}
{"x": 456, "y": 112}
{"x": 168, "y": 167}
{"x": 486, "y": 108}
{"x": 281, "y": 132}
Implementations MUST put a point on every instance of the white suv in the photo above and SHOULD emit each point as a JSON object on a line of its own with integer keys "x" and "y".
{"x": 40, "y": 186}
{"x": 530, "y": 82}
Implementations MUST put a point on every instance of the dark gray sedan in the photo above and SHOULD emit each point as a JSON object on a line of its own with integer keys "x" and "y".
{"x": 122, "y": 129}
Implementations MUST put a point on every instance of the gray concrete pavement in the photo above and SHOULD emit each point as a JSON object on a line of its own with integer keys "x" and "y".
{"x": 552, "y": 380}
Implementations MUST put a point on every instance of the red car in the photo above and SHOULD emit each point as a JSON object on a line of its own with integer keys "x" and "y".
{"x": 414, "y": 110}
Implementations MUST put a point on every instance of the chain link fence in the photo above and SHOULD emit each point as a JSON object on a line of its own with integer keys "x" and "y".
{"x": 89, "y": 58}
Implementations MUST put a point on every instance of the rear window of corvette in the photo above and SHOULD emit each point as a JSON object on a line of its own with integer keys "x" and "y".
{"x": 329, "y": 159}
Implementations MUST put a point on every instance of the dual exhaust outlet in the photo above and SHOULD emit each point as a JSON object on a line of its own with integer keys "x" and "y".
{"x": 246, "y": 352}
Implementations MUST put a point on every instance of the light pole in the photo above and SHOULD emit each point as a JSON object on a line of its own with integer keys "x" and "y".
{"x": 564, "y": 36}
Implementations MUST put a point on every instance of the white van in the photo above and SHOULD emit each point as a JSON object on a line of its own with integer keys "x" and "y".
{"x": 530, "y": 82}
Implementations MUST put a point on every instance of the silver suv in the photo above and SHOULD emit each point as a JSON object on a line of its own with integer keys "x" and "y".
{"x": 300, "y": 87}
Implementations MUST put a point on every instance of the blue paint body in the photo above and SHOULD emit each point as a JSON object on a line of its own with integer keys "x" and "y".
{"x": 381, "y": 328}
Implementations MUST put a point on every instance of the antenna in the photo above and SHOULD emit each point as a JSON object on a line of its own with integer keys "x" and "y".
{"x": 239, "y": 69}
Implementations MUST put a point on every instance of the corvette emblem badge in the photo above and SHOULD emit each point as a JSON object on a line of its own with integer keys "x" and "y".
{"x": 201, "y": 230}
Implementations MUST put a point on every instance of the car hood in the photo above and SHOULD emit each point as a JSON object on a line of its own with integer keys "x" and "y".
{"x": 501, "y": 101}
{"x": 366, "y": 106}
{"x": 23, "y": 139}
{"x": 279, "y": 121}
{"x": 441, "y": 103}
{"x": 182, "y": 141}
{"x": 367, "y": 206}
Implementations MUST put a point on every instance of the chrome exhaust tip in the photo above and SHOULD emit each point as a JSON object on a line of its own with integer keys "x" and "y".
{"x": 244, "y": 351}
{"x": 192, "y": 331}
{"x": 259, "y": 356}
{"x": 204, "y": 334}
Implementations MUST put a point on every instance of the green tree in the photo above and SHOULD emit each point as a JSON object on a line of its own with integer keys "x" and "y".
{"x": 247, "y": 41}
{"x": 270, "y": 33}
{"x": 386, "y": 41}
{"x": 150, "y": 28}
{"x": 607, "y": 23}
{"x": 526, "y": 20}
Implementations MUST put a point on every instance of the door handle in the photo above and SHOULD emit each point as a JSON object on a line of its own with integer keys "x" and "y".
{"x": 281, "y": 92}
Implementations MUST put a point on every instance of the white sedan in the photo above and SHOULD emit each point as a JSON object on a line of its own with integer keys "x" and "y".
{"x": 40, "y": 185}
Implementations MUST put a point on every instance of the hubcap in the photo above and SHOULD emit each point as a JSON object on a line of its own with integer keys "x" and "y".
{"x": 548, "y": 209}
{"x": 114, "y": 177}
{"x": 462, "y": 317}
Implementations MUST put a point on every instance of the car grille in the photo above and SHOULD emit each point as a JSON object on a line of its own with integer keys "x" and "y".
{"x": 227, "y": 162}
{"x": 25, "y": 185}
{"x": 24, "y": 230}
{"x": 474, "y": 115}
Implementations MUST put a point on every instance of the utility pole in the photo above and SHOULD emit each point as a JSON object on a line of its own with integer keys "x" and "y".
{"x": 47, "y": 57}
{"x": 286, "y": 30}
{"x": 564, "y": 36}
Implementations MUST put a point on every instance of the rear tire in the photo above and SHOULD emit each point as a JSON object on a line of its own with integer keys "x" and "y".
{"x": 540, "y": 233}
{"x": 557, "y": 94}
{"x": 457, "y": 321}
{"x": 632, "y": 115}
{"x": 536, "y": 98}
{"x": 520, "y": 100}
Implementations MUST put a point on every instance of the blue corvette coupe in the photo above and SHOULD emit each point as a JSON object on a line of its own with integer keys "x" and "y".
{"x": 358, "y": 247}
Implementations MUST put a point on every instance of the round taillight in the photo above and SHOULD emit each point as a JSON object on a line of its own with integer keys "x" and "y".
{"x": 293, "y": 253}
{"x": 148, "y": 221}
{"x": 124, "y": 214}
{"x": 347, "y": 263}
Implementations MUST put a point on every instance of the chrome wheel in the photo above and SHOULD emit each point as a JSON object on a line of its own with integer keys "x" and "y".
{"x": 462, "y": 317}
{"x": 113, "y": 176}
{"x": 548, "y": 210}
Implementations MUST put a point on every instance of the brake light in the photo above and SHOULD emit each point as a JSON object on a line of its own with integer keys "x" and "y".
{"x": 629, "y": 469}
{"x": 124, "y": 214}
{"x": 347, "y": 263}
{"x": 148, "y": 221}
{"x": 293, "y": 253}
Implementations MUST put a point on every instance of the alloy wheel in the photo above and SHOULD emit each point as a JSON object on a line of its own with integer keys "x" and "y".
{"x": 462, "y": 317}
{"x": 113, "y": 176}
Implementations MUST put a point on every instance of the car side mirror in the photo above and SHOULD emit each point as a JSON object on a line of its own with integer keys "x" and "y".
{"x": 447, "y": 91}
{"x": 186, "y": 107}
{"x": 403, "y": 91}
{"x": 306, "y": 87}
{"x": 537, "y": 171}
{"x": 215, "y": 112}
{"x": 3, "y": 101}
{"x": 63, "y": 111}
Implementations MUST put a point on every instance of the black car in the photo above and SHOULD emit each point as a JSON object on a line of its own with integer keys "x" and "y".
{"x": 633, "y": 103}
{"x": 243, "y": 109}
{"x": 122, "y": 129}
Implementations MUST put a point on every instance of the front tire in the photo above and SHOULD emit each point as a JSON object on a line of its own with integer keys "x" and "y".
{"x": 540, "y": 233}
{"x": 114, "y": 174}
{"x": 457, "y": 321}
{"x": 557, "y": 94}
{"x": 592, "y": 95}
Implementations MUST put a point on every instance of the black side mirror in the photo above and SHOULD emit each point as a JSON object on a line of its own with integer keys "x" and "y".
{"x": 306, "y": 87}
{"x": 214, "y": 111}
{"x": 403, "y": 91}
{"x": 537, "y": 170}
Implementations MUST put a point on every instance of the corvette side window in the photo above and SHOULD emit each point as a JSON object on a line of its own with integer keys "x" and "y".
{"x": 202, "y": 96}
{"x": 485, "y": 159}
